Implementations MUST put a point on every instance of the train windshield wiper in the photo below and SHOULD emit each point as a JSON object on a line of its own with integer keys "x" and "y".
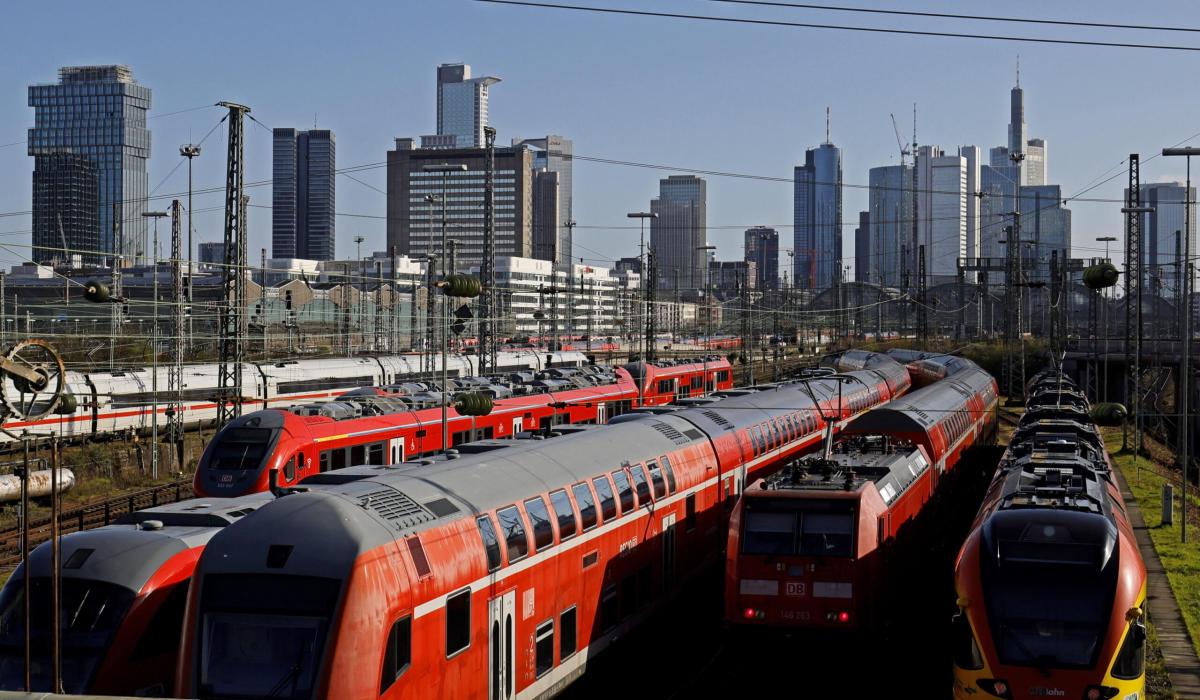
{"x": 1040, "y": 661}
{"x": 292, "y": 675}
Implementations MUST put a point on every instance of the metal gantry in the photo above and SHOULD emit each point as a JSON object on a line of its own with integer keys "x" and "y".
{"x": 1133, "y": 211}
{"x": 231, "y": 333}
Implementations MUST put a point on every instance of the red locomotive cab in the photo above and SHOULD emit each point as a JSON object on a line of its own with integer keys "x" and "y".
{"x": 237, "y": 460}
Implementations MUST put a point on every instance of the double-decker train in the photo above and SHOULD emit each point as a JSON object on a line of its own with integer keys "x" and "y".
{"x": 806, "y": 545}
{"x": 123, "y": 592}
{"x": 381, "y": 427}
{"x": 1051, "y": 586}
{"x": 498, "y": 571}
{"x": 122, "y": 400}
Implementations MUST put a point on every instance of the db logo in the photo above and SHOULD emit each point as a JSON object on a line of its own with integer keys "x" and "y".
{"x": 795, "y": 588}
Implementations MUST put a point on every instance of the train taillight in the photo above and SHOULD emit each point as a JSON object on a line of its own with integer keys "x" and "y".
{"x": 1100, "y": 692}
{"x": 995, "y": 686}
{"x": 752, "y": 614}
{"x": 839, "y": 616}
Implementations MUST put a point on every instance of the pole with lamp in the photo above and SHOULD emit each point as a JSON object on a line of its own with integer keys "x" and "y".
{"x": 445, "y": 169}
{"x": 704, "y": 306}
{"x": 642, "y": 216}
{"x": 189, "y": 151}
{"x": 156, "y": 215}
{"x": 1185, "y": 368}
{"x": 1104, "y": 318}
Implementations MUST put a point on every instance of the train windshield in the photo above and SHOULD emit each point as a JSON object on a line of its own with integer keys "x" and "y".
{"x": 262, "y": 636}
{"x": 240, "y": 448}
{"x": 90, "y": 613}
{"x": 798, "y": 527}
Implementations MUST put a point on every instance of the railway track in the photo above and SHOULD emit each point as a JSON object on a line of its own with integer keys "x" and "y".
{"x": 91, "y": 515}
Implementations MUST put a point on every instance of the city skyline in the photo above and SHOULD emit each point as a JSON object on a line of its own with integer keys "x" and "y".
{"x": 602, "y": 189}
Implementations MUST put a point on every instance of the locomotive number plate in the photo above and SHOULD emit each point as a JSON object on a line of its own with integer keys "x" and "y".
{"x": 795, "y": 588}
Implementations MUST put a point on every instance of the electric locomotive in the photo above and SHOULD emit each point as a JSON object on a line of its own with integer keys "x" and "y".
{"x": 1051, "y": 586}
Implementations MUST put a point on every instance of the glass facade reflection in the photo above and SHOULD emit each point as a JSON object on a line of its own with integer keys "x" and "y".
{"x": 99, "y": 112}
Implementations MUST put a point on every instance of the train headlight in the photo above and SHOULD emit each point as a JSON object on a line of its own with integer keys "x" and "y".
{"x": 995, "y": 686}
{"x": 1100, "y": 692}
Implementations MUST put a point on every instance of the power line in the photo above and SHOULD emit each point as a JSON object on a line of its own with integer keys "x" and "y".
{"x": 842, "y": 27}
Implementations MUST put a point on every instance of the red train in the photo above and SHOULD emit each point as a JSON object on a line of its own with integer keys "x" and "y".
{"x": 390, "y": 429}
{"x": 1051, "y": 586}
{"x": 805, "y": 545}
{"x": 123, "y": 592}
{"x": 499, "y": 571}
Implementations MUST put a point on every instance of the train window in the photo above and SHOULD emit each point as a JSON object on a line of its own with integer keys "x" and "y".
{"x": 397, "y": 653}
{"x": 420, "y": 561}
{"x": 567, "y": 634}
{"x": 324, "y": 461}
{"x": 458, "y": 622}
{"x": 339, "y": 459}
{"x": 666, "y": 464}
{"x": 587, "y": 505}
{"x": 628, "y": 595}
{"x": 491, "y": 545}
{"x": 544, "y": 648}
{"x": 358, "y": 455}
{"x": 565, "y": 513}
{"x": 161, "y": 635}
{"x": 769, "y": 533}
{"x": 664, "y": 386}
{"x": 757, "y": 439}
{"x": 460, "y": 437}
{"x": 826, "y": 534}
{"x": 539, "y": 518}
{"x": 1131, "y": 661}
{"x": 609, "y": 607}
{"x": 624, "y": 490}
{"x": 656, "y": 478}
{"x": 608, "y": 503}
{"x": 689, "y": 512}
{"x": 514, "y": 532}
{"x": 966, "y": 650}
{"x": 375, "y": 453}
{"x": 640, "y": 485}
{"x": 289, "y": 469}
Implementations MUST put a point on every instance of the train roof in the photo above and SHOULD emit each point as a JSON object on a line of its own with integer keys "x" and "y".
{"x": 853, "y": 463}
{"x": 130, "y": 552}
{"x": 922, "y": 409}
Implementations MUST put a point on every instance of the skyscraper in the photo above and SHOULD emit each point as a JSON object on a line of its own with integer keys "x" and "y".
{"x": 1017, "y": 135}
{"x": 1032, "y": 165}
{"x": 862, "y": 248}
{"x": 1160, "y": 230}
{"x": 303, "y": 194}
{"x": 66, "y": 208}
{"x": 973, "y": 155}
{"x": 553, "y": 153}
{"x": 1035, "y": 162}
{"x": 547, "y": 215}
{"x": 99, "y": 112}
{"x": 817, "y": 218}
{"x": 1047, "y": 224}
{"x": 462, "y": 104}
{"x": 890, "y": 213}
{"x": 998, "y": 185}
{"x": 680, "y": 228}
{"x": 762, "y": 248}
{"x": 941, "y": 212}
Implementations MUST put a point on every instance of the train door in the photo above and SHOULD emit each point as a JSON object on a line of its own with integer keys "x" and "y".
{"x": 601, "y": 412}
{"x": 396, "y": 450}
{"x": 502, "y": 648}
{"x": 518, "y": 424}
{"x": 668, "y": 551}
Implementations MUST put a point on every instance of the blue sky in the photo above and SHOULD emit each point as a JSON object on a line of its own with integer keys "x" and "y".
{"x": 702, "y": 95}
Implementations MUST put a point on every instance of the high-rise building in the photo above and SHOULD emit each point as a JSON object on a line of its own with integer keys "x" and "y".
{"x": 210, "y": 253}
{"x": 99, "y": 112}
{"x": 941, "y": 213}
{"x": 862, "y": 248}
{"x": 462, "y": 104}
{"x": 303, "y": 194}
{"x": 817, "y": 218}
{"x": 1018, "y": 137}
{"x": 1032, "y": 164}
{"x": 890, "y": 203}
{"x": 1162, "y": 235}
{"x": 554, "y": 153}
{"x": 414, "y": 224}
{"x": 1035, "y": 162}
{"x": 762, "y": 247}
{"x": 973, "y": 155}
{"x": 547, "y": 216}
{"x": 66, "y": 208}
{"x": 681, "y": 228}
{"x": 998, "y": 187}
{"x": 1045, "y": 229}
{"x": 727, "y": 278}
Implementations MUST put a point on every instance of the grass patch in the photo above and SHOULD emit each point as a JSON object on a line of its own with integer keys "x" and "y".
{"x": 1182, "y": 562}
{"x": 1158, "y": 680}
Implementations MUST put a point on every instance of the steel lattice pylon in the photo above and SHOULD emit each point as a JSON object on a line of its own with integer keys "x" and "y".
{"x": 1133, "y": 291}
{"x": 651, "y": 290}
{"x": 486, "y": 301}
{"x": 174, "y": 411}
{"x": 231, "y": 331}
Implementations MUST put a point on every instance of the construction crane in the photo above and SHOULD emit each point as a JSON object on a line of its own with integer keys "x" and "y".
{"x": 899, "y": 141}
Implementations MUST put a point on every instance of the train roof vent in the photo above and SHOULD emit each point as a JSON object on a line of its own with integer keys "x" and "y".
{"x": 694, "y": 434}
{"x": 718, "y": 419}
{"x": 676, "y": 436}
{"x": 395, "y": 506}
{"x": 441, "y": 507}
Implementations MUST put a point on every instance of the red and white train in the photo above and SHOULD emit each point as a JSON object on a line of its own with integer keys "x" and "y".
{"x": 499, "y": 571}
{"x": 299, "y": 445}
{"x": 121, "y": 400}
{"x": 1051, "y": 586}
{"x": 805, "y": 545}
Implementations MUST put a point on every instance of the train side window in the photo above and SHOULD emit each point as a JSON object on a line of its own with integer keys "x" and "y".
{"x": 565, "y": 513}
{"x": 397, "y": 653}
{"x": 624, "y": 490}
{"x": 358, "y": 455}
{"x": 666, "y": 464}
{"x": 609, "y": 607}
{"x": 339, "y": 459}
{"x": 656, "y": 478}
{"x": 324, "y": 461}
{"x": 689, "y": 512}
{"x": 514, "y": 533}
{"x": 567, "y": 633}
{"x": 587, "y": 505}
{"x": 491, "y": 544}
{"x": 289, "y": 469}
{"x": 1131, "y": 660}
{"x": 640, "y": 485}
{"x": 162, "y": 632}
{"x": 539, "y": 519}
{"x": 544, "y": 648}
{"x": 608, "y": 502}
{"x": 375, "y": 453}
{"x": 458, "y": 622}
